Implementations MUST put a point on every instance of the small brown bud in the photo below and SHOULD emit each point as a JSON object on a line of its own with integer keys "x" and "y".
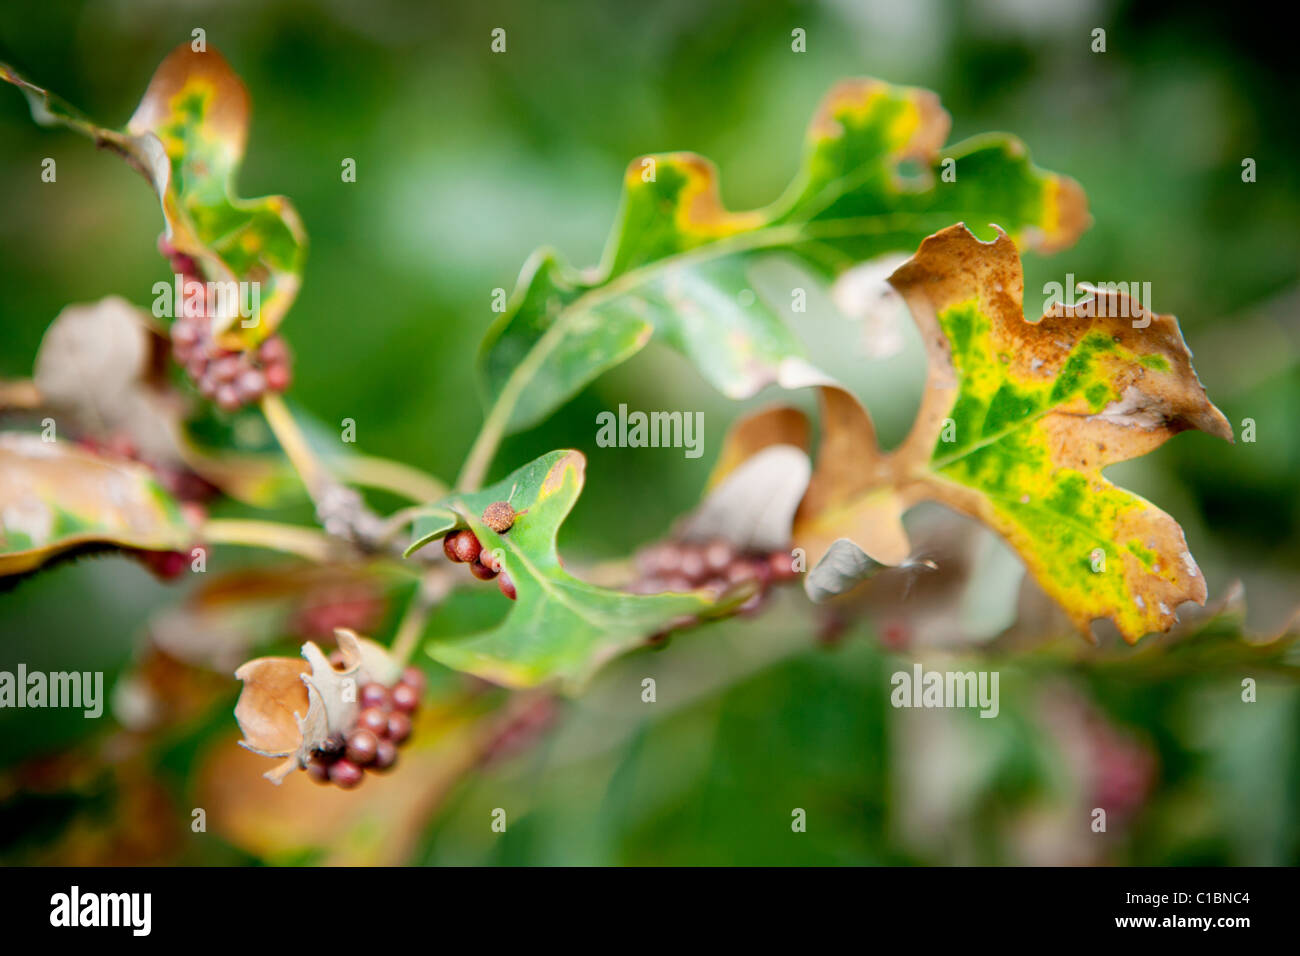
{"x": 499, "y": 516}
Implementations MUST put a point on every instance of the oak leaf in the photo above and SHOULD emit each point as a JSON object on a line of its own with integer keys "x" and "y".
{"x": 187, "y": 139}
{"x": 1017, "y": 422}
{"x": 559, "y": 627}
{"x": 678, "y": 264}
{"x": 56, "y": 496}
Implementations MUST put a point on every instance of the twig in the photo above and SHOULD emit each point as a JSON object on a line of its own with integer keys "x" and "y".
{"x": 310, "y": 469}
{"x": 341, "y": 510}
{"x": 394, "y": 476}
{"x": 308, "y": 543}
{"x": 433, "y": 588}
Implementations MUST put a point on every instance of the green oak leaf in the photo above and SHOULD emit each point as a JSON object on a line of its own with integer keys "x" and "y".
{"x": 678, "y": 262}
{"x": 559, "y": 627}
{"x": 1017, "y": 422}
{"x": 187, "y": 138}
{"x": 55, "y": 496}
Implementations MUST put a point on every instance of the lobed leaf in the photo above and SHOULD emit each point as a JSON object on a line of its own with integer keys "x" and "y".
{"x": 187, "y": 138}
{"x": 1017, "y": 422}
{"x": 559, "y": 627}
{"x": 677, "y": 264}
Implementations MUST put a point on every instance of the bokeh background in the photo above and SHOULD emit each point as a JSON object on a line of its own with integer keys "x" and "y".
{"x": 466, "y": 162}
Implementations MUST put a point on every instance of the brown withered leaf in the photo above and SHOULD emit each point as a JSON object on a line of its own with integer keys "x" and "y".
{"x": 289, "y": 707}
{"x": 99, "y": 370}
{"x": 777, "y": 425}
{"x": 756, "y": 484}
{"x": 270, "y": 705}
{"x": 377, "y": 824}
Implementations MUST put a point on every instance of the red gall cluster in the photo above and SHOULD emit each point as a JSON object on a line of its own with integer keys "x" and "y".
{"x": 383, "y": 725}
{"x": 464, "y": 547}
{"x": 713, "y": 566}
{"x": 356, "y": 606}
{"x": 232, "y": 379}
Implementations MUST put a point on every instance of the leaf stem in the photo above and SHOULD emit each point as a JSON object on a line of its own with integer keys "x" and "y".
{"x": 310, "y": 469}
{"x": 430, "y": 591}
{"x": 395, "y": 476}
{"x": 308, "y": 543}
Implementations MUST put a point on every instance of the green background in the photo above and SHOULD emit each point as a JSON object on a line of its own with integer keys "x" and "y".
{"x": 466, "y": 161}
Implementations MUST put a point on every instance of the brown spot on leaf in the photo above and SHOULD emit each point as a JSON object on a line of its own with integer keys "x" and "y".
{"x": 555, "y": 477}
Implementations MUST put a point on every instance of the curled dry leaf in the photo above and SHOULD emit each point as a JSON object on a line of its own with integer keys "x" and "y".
{"x": 754, "y": 506}
{"x": 1017, "y": 422}
{"x": 842, "y": 565}
{"x": 748, "y": 436}
{"x": 98, "y": 368}
{"x": 289, "y": 707}
{"x": 757, "y": 483}
{"x": 852, "y": 495}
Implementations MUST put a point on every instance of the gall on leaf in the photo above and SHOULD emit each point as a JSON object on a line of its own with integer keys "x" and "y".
{"x": 559, "y": 627}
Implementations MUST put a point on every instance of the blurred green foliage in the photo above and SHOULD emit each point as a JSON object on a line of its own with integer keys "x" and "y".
{"x": 466, "y": 161}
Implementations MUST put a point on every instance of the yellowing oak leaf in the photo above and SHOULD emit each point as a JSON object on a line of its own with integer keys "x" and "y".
{"x": 678, "y": 263}
{"x": 1018, "y": 421}
{"x": 187, "y": 139}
